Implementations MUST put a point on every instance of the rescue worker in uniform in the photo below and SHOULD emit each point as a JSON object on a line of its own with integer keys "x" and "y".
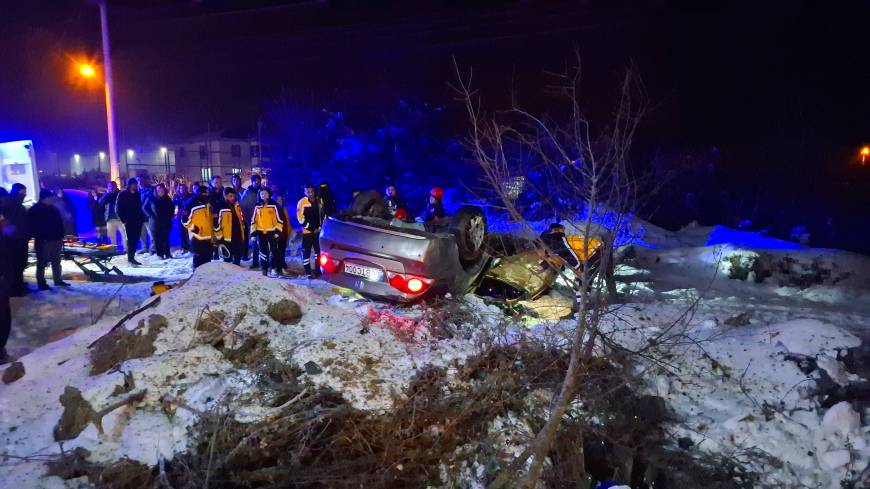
{"x": 200, "y": 226}
{"x": 310, "y": 216}
{"x": 266, "y": 225}
{"x": 435, "y": 209}
{"x": 231, "y": 228}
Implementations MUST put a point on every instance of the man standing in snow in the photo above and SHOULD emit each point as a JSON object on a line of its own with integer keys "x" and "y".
{"x": 6, "y": 274}
{"x": 248, "y": 200}
{"x": 200, "y": 225}
{"x": 179, "y": 200}
{"x": 266, "y": 225}
{"x": 47, "y": 226}
{"x": 18, "y": 233}
{"x": 309, "y": 215}
{"x": 98, "y": 216}
{"x": 230, "y": 227}
{"x": 129, "y": 210}
{"x": 113, "y": 223}
{"x": 146, "y": 193}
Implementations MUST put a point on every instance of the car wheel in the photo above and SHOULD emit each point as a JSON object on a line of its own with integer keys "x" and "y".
{"x": 469, "y": 227}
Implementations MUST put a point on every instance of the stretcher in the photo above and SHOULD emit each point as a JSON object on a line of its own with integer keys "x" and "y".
{"x": 92, "y": 259}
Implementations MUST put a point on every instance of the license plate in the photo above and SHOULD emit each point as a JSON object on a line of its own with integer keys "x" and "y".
{"x": 368, "y": 273}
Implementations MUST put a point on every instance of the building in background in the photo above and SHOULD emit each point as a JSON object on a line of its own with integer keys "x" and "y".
{"x": 219, "y": 153}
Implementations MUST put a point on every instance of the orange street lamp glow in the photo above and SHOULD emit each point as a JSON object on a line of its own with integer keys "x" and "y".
{"x": 865, "y": 152}
{"x": 87, "y": 71}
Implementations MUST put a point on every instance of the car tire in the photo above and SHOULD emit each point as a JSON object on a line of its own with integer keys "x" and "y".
{"x": 468, "y": 225}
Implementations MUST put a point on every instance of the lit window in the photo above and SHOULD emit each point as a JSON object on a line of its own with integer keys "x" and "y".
{"x": 206, "y": 174}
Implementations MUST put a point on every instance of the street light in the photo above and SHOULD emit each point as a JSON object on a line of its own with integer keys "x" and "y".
{"x": 865, "y": 152}
{"x": 130, "y": 153}
{"x": 87, "y": 70}
{"x": 102, "y": 156}
{"x": 77, "y": 157}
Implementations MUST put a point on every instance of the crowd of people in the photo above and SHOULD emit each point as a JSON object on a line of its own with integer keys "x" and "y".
{"x": 214, "y": 222}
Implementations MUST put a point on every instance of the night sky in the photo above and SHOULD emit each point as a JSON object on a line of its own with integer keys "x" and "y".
{"x": 778, "y": 88}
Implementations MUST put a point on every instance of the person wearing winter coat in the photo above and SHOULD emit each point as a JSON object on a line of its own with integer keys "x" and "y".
{"x": 18, "y": 232}
{"x": 6, "y": 280}
{"x": 47, "y": 227}
{"x": 327, "y": 199}
{"x": 67, "y": 212}
{"x": 128, "y": 206}
{"x": 98, "y": 216}
{"x": 285, "y": 235}
{"x": 236, "y": 184}
{"x": 160, "y": 210}
{"x": 146, "y": 193}
{"x": 179, "y": 200}
{"x": 266, "y": 226}
{"x": 393, "y": 200}
{"x": 310, "y": 216}
{"x": 248, "y": 200}
{"x": 113, "y": 223}
{"x": 200, "y": 226}
{"x": 231, "y": 228}
{"x": 435, "y": 210}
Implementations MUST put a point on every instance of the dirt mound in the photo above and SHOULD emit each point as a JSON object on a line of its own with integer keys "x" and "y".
{"x": 13, "y": 372}
{"x": 122, "y": 344}
{"x": 285, "y": 311}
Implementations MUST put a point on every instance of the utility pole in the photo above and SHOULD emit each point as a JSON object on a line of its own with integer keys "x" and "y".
{"x": 114, "y": 168}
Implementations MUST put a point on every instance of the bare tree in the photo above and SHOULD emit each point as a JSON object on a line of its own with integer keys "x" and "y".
{"x": 581, "y": 175}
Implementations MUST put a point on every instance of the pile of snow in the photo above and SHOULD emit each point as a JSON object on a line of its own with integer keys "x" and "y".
{"x": 365, "y": 361}
{"x": 741, "y": 394}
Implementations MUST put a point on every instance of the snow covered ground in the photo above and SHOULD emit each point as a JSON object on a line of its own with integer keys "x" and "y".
{"x": 732, "y": 384}
{"x": 42, "y": 316}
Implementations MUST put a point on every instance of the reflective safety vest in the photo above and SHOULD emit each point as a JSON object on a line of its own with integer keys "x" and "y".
{"x": 577, "y": 244}
{"x": 199, "y": 223}
{"x": 224, "y": 229}
{"x": 309, "y": 215}
{"x": 266, "y": 218}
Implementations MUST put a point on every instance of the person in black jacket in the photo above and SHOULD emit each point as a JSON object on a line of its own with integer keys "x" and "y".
{"x": 6, "y": 273}
{"x": 47, "y": 226}
{"x": 67, "y": 212}
{"x": 393, "y": 200}
{"x": 160, "y": 210}
{"x": 146, "y": 193}
{"x": 129, "y": 209}
{"x": 327, "y": 200}
{"x": 98, "y": 217}
{"x": 179, "y": 200}
{"x": 113, "y": 223}
{"x": 18, "y": 232}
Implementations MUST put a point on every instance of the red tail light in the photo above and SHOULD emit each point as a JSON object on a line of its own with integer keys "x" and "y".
{"x": 409, "y": 284}
{"x": 327, "y": 263}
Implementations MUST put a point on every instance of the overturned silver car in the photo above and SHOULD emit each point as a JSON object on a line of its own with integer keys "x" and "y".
{"x": 402, "y": 261}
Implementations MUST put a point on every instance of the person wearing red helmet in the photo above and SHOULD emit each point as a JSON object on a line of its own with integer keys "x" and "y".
{"x": 435, "y": 209}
